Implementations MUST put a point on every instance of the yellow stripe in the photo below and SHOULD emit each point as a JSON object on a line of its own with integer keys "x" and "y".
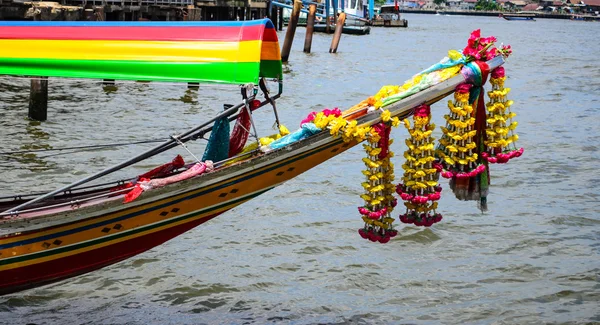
{"x": 246, "y": 51}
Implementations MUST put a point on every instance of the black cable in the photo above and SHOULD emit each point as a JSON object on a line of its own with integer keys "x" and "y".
{"x": 90, "y": 147}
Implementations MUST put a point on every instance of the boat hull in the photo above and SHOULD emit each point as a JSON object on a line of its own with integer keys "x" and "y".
{"x": 58, "y": 251}
{"x": 38, "y": 274}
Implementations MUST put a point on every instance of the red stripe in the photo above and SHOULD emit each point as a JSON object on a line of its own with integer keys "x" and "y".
{"x": 35, "y": 275}
{"x": 270, "y": 35}
{"x": 208, "y": 33}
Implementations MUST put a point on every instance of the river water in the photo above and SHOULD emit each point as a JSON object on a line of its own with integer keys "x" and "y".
{"x": 292, "y": 256}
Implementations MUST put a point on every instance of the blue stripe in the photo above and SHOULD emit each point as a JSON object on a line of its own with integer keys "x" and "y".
{"x": 265, "y": 22}
{"x": 99, "y": 224}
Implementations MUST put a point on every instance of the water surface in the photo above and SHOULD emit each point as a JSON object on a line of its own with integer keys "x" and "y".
{"x": 293, "y": 256}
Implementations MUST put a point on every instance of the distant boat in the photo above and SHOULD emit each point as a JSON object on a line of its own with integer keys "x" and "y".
{"x": 352, "y": 27}
{"x": 389, "y": 16}
{"x": 585, "y": 17}
{"x": 518, "y": 16}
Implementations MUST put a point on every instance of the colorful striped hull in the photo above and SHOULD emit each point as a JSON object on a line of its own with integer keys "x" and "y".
{"x": 216, "y": 52}
{"x": 33, "y": 258}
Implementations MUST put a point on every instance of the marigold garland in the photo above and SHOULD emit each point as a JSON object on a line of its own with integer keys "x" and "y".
{"x": 457, "y": 150}
{"x": 378, "y": 196}
{"x": 500, "y": 147}
{"x": 420, "y": 190}
{"x": 471, "y": 138}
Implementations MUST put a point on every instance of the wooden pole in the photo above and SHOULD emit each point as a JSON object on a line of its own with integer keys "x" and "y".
{"x": 338, "y": 33}
{"x": 291, "y": 30}
{"x": 38, "y": 99}
{"x": 310, "y": 27}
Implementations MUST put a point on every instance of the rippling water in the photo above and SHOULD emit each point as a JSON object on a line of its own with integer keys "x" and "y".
{"x": 293, "y": 254}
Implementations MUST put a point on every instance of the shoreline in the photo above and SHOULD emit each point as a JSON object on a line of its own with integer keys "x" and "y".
{"x": 483, "y": 13}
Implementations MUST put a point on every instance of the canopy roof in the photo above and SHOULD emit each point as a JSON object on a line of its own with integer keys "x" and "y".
{"x": 235, "y": 52}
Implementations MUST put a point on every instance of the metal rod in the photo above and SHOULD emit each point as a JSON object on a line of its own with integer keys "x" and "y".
{"x": 72, "y": 202}
{"x": 185, "y": 147}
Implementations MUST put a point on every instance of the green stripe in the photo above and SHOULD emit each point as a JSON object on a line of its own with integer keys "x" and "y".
{"x": 271, "y": 69}
{"x": 235, "y": 73}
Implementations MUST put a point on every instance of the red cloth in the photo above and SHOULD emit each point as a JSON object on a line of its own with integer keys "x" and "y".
{"x": 165, "y": 169}
{"x": 241, "y": 129}
{"x": 240, "y": 133}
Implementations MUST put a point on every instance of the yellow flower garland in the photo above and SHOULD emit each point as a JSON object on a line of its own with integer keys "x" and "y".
{"x": 499, "y": 124}
{"x": 419, "y": 188}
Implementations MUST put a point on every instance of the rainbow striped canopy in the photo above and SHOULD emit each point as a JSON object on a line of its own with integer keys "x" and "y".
{"x": 235, "y": 52}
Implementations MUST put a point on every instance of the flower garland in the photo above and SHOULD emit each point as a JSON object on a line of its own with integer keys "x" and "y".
{"x": 471, "y": 139}
{"x": 457, "y": 145}
{"x": 420, "y": 190}
{"x": 379, "y": 189}
{"x": 378, "y": 196}
{"x": 499, "y": 123}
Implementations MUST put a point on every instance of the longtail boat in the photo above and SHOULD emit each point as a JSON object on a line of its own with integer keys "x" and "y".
{"x": 79, "y": 228}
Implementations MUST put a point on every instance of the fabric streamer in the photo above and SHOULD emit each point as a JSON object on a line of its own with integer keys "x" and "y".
{"x": 164, "y": 170}
{"x": 148, "y": 184}
{"x": 304, "y": 132}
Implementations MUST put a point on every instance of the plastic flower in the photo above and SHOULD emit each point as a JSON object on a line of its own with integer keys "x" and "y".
{"x": 386, "y": 116}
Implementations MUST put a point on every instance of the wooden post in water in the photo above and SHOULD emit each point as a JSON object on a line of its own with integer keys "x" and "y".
{"x": 291, "y": 30}
{"x": 310, "y": 27}
{"x": 338, "y": 33}
{"x": 38, "y": 99}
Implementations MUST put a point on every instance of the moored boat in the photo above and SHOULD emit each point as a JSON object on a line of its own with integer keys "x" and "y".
{"x": 47, "y": 237}
{"x": 530, "y": 17}
{"x": 389, "y": 16}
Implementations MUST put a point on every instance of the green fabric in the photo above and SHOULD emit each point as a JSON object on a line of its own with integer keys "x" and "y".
{"x": 217, "y": 148}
